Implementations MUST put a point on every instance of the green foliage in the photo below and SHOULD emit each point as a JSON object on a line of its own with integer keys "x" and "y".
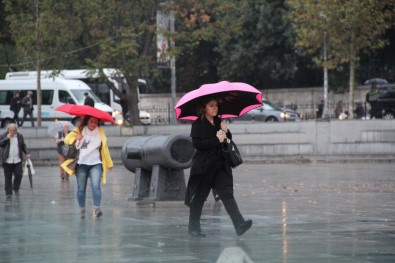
{"x": 261, "y": 53}
{"x": 349, "y": 24}
{"x": 41, "y": 35}
{"x": 352, "y": 27}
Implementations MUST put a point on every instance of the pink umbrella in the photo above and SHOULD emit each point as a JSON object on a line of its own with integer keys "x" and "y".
{"x": 234, "y": 99}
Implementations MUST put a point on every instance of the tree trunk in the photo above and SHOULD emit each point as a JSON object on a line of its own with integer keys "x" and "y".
{"x": 132, "y": 95}
{"x": 325, "y": 113}
{"x": 352, "y": 80}
{"x": 39, "y": 97}
{"x": 38, "y": 65}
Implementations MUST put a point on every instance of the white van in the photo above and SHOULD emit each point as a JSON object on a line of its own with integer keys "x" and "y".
{"x": 92, "y": 79}
{"x": 54, "y": 92}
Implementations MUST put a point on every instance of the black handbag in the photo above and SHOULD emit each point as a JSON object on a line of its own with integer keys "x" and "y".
{"x": 69, "y": 151}
{"x": 232, "y": 153}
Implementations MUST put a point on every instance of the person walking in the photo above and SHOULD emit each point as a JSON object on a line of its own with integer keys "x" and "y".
{"x": 338, "y": 109}
{"x": 372, "y": 98}
{"x": 320, "y": 109}
{"x": 14, "y": 147}
{"x": 88, "y": 100}
{"x": 211, "y": 169}
{"x": 93, "y": 161}
{"x": 27, "y": 104}
{"x": 15, "y": 107}
{"x": 59, "y": 140}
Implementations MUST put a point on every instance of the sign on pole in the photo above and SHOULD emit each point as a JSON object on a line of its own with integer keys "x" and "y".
{"x": 162, "y": 42}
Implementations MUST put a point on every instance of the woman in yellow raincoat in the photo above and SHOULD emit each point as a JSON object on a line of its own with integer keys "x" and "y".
{"x": 93, "y": 161}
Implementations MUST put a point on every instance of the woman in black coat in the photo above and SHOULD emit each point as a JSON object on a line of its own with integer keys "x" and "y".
{"x": 210, "y": 169}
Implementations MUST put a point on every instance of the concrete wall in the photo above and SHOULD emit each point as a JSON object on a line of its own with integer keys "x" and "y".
{"x": 305, "y": 139}
{"x": 265, "y": 142}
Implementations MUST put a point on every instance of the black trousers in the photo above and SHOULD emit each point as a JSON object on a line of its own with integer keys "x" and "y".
{"x": 16, "y": 117}
{"x": 25, "y": 114}
{"x": 9, "y": 170}
{"x": 222, "y": 182}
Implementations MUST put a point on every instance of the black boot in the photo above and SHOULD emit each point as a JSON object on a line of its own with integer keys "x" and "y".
{"x": 194, "y": 222}
{"x": 240, "y": 225}
{"x": 196, "y": 233}
{"x": 243, "y": 227}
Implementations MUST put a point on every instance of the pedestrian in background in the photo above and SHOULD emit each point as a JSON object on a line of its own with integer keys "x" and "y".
{"x": 88, "y": 100}
{"x": 339, "y": 109}
{"x": 59, "y": 140}
{"x": 210, "y": 169}
{"x": 372, "y": 97}
{"x": 14, "y": 147}
{"x": 27, "y": 104}
{"x": 15, "y": 107}
{"x": 320, "y": 109}
{"x": 93, "y": 161}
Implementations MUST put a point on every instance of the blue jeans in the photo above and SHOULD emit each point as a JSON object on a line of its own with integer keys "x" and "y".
{"x": 83, "y": 173}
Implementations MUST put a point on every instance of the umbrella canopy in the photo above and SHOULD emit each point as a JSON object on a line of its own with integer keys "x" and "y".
{"x": 375, "y": 80}
{"x": 85, "y": 110}
{"x": 234, "y": 99}
{"x": 55, "y": 127}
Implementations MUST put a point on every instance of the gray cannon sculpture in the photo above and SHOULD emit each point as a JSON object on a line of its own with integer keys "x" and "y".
{"x": 158, "y": 162}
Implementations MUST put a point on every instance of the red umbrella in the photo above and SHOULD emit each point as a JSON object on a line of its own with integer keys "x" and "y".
{"x": 234, "y": 99}
{"x": 85, "y": 110}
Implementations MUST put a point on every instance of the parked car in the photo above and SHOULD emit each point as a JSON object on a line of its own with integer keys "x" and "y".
{"x": 386, "y": 104}
{"x": 270, "y": 112}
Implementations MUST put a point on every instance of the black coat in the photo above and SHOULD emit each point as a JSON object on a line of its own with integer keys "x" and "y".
{"x": 208, "y": 153}
{"x": 89, "y": 101}
{"x": 5, "y": 144}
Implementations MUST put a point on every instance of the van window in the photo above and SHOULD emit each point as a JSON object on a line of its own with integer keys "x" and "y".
{"x": 64, "y": 97}
{"x": 100, "y": 89}
{"x": 47, "y": 97}
{"x": 79, "y": 95}
{"x": 6, "y": 96}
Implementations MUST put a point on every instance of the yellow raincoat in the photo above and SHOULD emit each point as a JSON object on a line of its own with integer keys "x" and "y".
{"x": 69, "y": 164}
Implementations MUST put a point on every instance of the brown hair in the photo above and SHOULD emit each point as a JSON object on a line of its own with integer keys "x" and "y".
{"x": 84, "y": 122}
{"x": 202, "y": 104}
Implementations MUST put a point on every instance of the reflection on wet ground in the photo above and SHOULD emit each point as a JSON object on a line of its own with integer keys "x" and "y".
{"x": 335, "y": 212}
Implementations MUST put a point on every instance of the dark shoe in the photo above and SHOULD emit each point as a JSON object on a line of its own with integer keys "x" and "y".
{"x": 97, "y": 212}
{"x": 8, "y": 197}
{"x": 243, "y": 227}
{"x": 82, "y": 213}
{"x": 217, "y": 198}
{"x": 17, "y": 193}
{"x": 196, "y": 233}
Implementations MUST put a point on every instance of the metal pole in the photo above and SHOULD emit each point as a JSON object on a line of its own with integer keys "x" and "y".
{"x": 173, "y": 74}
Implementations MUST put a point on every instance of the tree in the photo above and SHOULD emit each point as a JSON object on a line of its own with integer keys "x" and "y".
{"x": 41, "y": 35}
{"x": 7, "y": 50}
{"x": 351, "y": 27}
{"x": 200, "y": 27}
{"x": 261, "y": 53}
{"x": 121, "y": 34}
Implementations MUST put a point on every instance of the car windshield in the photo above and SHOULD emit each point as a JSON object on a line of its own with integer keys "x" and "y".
{"x": 271, "y": 105}
{"x": 79, "y": 94}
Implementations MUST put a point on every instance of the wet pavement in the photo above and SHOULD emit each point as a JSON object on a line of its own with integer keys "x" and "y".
{"x": 337, "y": 212}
